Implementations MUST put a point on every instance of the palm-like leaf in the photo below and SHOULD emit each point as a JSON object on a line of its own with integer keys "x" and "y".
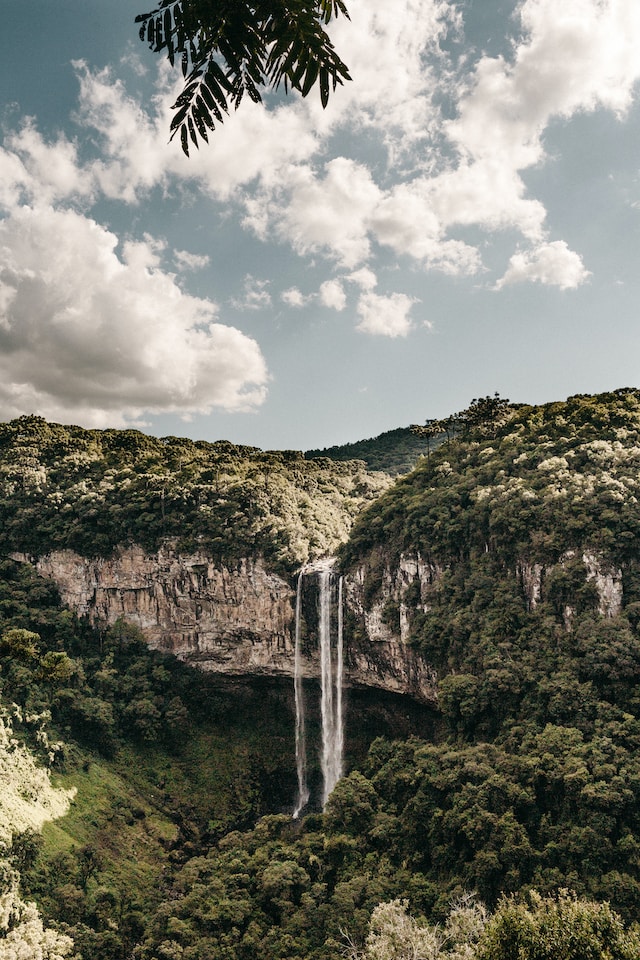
{"x": 227, "y": 48}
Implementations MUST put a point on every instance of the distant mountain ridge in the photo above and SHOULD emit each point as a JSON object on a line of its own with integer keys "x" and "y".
{"x": 394, "y": 452}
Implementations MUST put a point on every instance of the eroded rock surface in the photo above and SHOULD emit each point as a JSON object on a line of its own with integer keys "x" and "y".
{"x": 237, "y": 619}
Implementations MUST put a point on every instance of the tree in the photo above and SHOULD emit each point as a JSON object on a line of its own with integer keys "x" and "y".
{"x": 485, "y": 414}
{"x": 431, "y": 429}
{"x": 227, "y": 48}
{"x": 19, "y": 644}
{"x": 561, "y": 927}
{"x": 395, "y": 935}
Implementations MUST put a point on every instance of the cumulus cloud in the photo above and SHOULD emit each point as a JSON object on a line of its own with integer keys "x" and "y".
{"x": 327, "y": 214}
{"x": 385, "y": 316}
{"x": 573, "y": 57}
{"x": 104, "y": 339}
{"x": 553, "y": 264}
{"x": 190, "y": 261}
{"x": 136, "y": 155}
{"x": 255, "y": 295}
{"x": 365, "y": 278}
{"x": 332, "y": 295}
{"x": 394, "y": 57}
{"x": 294, "y": 297}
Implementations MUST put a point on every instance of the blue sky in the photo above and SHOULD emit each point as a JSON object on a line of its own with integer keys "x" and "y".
{"x": 463, "y": 218}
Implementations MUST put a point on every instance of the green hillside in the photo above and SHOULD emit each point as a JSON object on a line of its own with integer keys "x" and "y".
{"x": 528, "y": 784}
{"x": 91, "y": 490}
{"x": 394, "y": 452}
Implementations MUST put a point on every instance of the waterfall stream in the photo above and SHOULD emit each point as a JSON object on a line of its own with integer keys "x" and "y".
{"x": 301, "y": 737}
{"x": 331, "y": 683}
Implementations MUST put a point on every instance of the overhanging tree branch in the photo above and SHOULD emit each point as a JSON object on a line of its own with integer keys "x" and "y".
{"x": 227, "y": 48}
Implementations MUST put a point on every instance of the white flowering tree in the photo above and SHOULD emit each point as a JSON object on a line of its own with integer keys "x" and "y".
{"x": 27, "y": 800}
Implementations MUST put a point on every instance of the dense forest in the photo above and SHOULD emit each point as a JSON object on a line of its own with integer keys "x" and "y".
{"x": 511, "y": 832}
{"x": 394, "y": 452}
{"x": 91, "y": 490}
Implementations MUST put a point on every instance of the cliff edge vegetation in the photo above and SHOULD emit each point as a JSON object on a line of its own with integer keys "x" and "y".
{"x": 63, "y": 487}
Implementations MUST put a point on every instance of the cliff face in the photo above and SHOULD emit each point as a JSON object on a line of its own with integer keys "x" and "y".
{"x": 237, "y": 619}
{"x": 234, "y": 619}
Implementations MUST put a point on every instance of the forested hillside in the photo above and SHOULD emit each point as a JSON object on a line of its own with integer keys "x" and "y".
{"x": 91, "y": 490}
{"x": 394, "y": 451}
{"x": 177, "y": 846}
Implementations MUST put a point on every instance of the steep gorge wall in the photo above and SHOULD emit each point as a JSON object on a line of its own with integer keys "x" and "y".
{"x": 239, "y": 619}
{"x": 236, "y": 619}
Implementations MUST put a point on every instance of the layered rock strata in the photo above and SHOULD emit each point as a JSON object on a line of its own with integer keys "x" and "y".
{"x": 236, "y": 619}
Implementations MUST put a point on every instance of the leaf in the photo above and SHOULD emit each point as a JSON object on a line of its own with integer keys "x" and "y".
{"x": 203, "y": 111}
{"x": 167, "y": 24}
{"x": 192, "y": 132}
{"x": 324, "y": 86}
{"x": 202, "y": 130}
{"x": 179, "y": 117}
{"x": 310, "y": 77}
{"x": 211, "y": 102}
{"x": 184, "y": 140}
{"x": 242, "y": 46}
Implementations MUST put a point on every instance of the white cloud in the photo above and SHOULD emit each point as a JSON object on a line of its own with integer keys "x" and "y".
{"x": 386, "y": 316}
{"x": 252, "y": 145}
{"x": 255, "y": 295}
{"x": 393, "y": 54}
{"x": 34, "y": 169}
{"x": 574, "y": 56}
{"x": 294, "y": 297}
{"x": 365, "y": 278}
{"x": 332, "y": 295}
{"x": 92, "y": 337}
{"x": 329, "y": 215}
{"x": 553, "y": 264}
{"x": 191, "y": 261}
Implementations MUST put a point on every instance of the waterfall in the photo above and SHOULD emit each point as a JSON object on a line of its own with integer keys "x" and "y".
{"x": 331, "y": 683}
{"x": 326, "y": 681}
{"x": 301, "y": 738}
{"x": 331, "y": 686}
{"x": 339, "y": 749}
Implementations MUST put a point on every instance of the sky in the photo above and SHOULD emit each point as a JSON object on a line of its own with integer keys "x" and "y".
{"x": 463, "y": 218}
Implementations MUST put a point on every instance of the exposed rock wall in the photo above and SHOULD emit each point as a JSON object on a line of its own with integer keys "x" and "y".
{"x": 607, "y": 581}
{"x": 235, "y": 619}
{"x": 232, "y": 619}
{"x": 239, "y": 618}
{"x": 385, "y": 621}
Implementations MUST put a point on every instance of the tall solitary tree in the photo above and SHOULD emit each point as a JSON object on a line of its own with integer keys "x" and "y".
{"x": 227, "y": 48}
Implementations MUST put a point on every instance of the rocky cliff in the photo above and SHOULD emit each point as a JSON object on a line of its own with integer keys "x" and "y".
{"x": 237, "y": 619}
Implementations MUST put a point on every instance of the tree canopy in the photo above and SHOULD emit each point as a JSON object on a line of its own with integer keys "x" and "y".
{"x": 227, "y": 48}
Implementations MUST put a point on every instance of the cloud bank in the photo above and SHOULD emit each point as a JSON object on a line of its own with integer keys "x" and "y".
{"x": 88, "y": 335}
